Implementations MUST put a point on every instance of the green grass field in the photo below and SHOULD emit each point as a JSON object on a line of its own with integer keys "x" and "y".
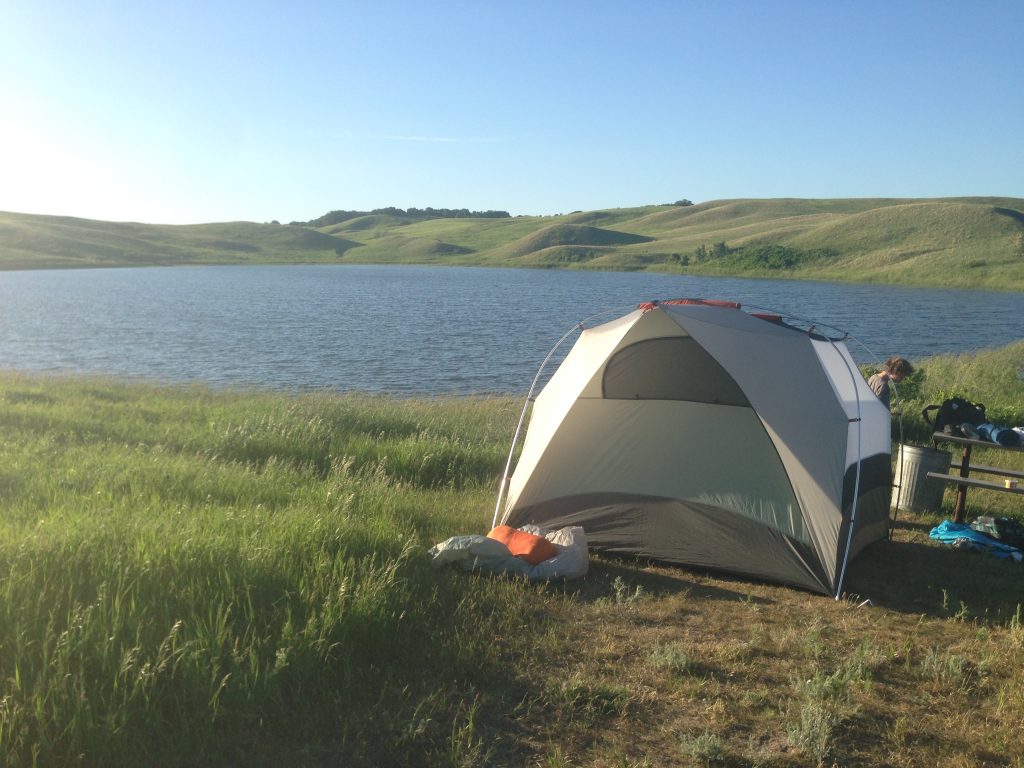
{"x": 192, "y": 577}
{"x": 973, "y": 242}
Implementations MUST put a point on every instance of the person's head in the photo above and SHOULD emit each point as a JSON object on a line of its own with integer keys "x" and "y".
{"x": 898, "y": 368}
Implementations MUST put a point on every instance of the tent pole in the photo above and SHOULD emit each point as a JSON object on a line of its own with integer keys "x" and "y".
{"x": 506, "y": 475}
{"x": 856, "y": 482}
{"x": 856, "y": 487}
{"x": 899, "y": 424}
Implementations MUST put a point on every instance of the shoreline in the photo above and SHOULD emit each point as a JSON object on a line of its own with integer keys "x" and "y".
{"x": 798, "y": 277}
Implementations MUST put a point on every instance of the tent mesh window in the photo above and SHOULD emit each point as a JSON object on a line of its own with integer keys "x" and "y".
{"x": 673, "y": 368}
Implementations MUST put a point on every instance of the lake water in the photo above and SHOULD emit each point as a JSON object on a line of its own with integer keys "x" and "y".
{"x": 416, "y": 330}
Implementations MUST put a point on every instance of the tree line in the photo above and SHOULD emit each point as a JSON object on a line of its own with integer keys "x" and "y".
{"x": 336, "y": 217}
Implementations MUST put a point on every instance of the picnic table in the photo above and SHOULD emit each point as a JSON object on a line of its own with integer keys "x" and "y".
{"x": 963, "y": 480}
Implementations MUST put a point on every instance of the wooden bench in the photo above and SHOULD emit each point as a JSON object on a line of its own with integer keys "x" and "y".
{"x": 974, "y": 483}
{"x": 963, "y": 481}
{"x": 995, "y": 470}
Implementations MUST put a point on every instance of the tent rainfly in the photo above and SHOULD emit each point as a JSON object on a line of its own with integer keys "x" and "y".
{"x": 693, "y": 432}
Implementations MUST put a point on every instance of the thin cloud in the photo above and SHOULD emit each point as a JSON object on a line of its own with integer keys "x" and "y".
{"x": 434, "y": 139}
{"x": 439, "y": 139}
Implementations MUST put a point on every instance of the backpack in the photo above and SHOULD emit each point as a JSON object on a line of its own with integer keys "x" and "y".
{"x": 954, "y": 412}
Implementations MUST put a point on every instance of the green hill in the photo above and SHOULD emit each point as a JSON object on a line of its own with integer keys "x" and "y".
{"x": 964, "y": 242}
{"x": 36, "y": 242}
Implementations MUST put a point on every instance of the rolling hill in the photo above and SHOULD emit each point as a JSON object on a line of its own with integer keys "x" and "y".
{"x": 36, "y": 242}
{"x": 965, "y": 242}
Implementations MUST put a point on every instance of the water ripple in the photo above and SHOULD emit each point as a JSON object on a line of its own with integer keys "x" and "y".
{"x": 415, "y": 330}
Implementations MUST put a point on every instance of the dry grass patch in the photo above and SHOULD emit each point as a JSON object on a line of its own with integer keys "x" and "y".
{"x": 664, "y": 666}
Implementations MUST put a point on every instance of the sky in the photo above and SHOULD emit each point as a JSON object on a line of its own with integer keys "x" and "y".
{"x": 207, "y": 111}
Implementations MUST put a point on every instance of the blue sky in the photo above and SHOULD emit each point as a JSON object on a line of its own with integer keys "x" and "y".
{"x": 191, "y": 112}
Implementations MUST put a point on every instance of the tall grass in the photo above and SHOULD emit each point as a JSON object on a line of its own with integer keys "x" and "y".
{"x": 994, "y": 377}
{"x": 193, "y": 577}
{"x": 185, "y": 573}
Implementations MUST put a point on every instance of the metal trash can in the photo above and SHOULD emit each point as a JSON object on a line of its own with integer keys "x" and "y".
{"x": 913, "y": 490}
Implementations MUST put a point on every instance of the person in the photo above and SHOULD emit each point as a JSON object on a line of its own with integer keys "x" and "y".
{"x": 895, "y": 370}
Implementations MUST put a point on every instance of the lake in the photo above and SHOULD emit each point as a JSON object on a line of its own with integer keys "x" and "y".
{"x": 417, "y": 329}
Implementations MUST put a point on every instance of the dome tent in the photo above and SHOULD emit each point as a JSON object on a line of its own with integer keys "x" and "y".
{"x": 693, "y": 432}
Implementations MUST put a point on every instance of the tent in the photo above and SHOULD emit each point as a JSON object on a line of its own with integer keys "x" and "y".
{"x": 693, "y": 432}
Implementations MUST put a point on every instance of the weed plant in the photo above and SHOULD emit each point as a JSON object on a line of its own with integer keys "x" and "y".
{"x": 705, "y": 749}
{"x": 672, "y": 656}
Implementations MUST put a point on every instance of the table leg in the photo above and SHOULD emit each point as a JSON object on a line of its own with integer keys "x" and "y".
{"x": 961, "y": 490}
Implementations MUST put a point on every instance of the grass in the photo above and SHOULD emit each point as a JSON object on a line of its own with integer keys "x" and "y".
{"x": 951, "y": 242}
{"x": 196, "y": 577}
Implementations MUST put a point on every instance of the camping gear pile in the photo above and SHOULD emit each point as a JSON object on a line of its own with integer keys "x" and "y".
{"x": 529, "y": 551}
{"x": 959, "y": 417}
{"x": 999, "y": 537}
{"x": 693, "y": 432}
